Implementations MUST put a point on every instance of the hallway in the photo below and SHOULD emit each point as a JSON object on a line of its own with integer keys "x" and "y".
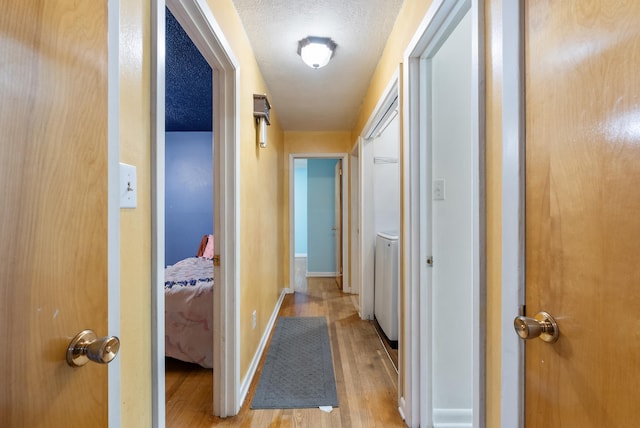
{"x": 366, "y": 380}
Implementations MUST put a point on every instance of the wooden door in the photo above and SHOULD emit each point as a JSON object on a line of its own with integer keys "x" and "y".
{"x": 583, "y": 211}
{"x": 337, "y": 215}
{"x": 53, "y": 220}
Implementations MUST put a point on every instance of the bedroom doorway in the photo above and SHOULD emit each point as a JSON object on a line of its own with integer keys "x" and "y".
{"x": 189, "y": 208}
{"x": 189, "y": 216}
{"x": 201, "y": 27}
{"x": 319, "y": 229}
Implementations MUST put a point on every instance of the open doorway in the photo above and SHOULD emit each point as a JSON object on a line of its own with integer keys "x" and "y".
{"x": 189, "y": 216}
{"x": 200, "y": 25}
{"x": 379, "y": 220}
{"x": 379, "y": 184}
{"x": 319, "y": 228}
{"x": 444, "y": 218}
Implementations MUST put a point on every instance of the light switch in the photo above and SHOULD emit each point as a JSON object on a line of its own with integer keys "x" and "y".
{"x": 128, "y": 186}
{"x": 438, "y": 190}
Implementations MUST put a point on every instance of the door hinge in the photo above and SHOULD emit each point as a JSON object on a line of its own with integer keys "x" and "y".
{"x": 340, "y": 171}
{"x": 216, "y": 260}
{"x": 430, "y": 261}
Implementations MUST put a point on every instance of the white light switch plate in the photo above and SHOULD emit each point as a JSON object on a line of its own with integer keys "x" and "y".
{"x": 438, "y": 190}
{"x": 128, "y": 186}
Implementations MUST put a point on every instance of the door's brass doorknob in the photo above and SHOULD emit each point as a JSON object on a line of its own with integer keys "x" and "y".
{"x": 86, "y": 346}
{"x": 542, "y": 325}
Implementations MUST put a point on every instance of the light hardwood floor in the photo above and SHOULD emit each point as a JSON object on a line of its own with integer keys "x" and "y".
{"x": 365, "y": 377}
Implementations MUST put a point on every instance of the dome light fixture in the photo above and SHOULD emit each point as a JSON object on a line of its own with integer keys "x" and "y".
{"x": 316, "y": 51}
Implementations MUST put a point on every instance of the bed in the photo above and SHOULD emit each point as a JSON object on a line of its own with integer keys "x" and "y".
{"x": 188, "y": 296}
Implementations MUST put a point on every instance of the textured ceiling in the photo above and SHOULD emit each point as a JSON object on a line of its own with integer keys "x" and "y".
{"x": 328, "y": 98}
{"x": 188, "y": 86}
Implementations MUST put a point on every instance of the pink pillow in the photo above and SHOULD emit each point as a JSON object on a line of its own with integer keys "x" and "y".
{"x": 208, "y": 251}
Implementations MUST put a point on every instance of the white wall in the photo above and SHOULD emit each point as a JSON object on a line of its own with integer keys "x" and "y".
{"x": 354, "y": 192}
{"x": 386, "y": 179}
{"x": 367, "y": 230}
{"x": 452, "y": 224}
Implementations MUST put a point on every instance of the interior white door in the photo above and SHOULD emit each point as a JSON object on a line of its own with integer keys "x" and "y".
{"x": 450, "y": 229}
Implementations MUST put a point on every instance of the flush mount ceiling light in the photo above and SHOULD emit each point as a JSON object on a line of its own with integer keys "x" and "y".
{"x": 316, "y": 51}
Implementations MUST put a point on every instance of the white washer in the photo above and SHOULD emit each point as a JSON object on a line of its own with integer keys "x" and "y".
{"x": 386, "y": 284}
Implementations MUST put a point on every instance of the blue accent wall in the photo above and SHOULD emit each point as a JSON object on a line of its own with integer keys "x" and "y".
{"x": 300, "y": 205}
{"x": 320, "y": 208}
{"x": 188, "y": 193}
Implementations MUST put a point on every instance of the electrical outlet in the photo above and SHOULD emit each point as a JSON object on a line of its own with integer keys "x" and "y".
{"x": 254, "y": 319}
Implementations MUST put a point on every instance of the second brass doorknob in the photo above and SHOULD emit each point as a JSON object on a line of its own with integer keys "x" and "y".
{"x": 542, "y": 325}
{"x": 86, "y": 346}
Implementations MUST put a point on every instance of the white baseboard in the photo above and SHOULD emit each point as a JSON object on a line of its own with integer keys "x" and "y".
{"x": 452, "y": 418}
{"x": 246, "y": 383}
{"x": 301, "y": 255}
{"x": 401, "y": 408}
{"x": 321, "y": 274}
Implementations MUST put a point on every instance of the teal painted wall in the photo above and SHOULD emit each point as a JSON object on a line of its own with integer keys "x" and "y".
{"x": 320, "y": 209}
{"x": 300, "y": 205}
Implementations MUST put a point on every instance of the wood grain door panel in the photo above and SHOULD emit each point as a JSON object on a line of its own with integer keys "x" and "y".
{"x": 583, "y": 211}
{"x": 53, "y": 228}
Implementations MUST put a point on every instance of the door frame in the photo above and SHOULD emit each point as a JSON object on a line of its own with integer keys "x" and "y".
{"x": 513, "y": 212}
{"x": 355, "y": 200}
{"x": 339, "y": 198}
{"x": 346, "y": 284}
{"x": 198, "y": 21}
{"x": 377, "y": 122}
{"x": 439, "y": 21}
{"x": 113, "y": 205}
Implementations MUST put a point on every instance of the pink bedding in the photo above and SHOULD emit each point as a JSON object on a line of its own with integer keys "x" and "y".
{"x": 188, "y": 292}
